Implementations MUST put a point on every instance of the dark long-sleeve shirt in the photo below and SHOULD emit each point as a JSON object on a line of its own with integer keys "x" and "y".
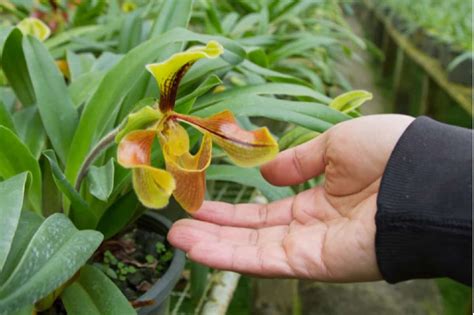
{"x": 424, "y": 213}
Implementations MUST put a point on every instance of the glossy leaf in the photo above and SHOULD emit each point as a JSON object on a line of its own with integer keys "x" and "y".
{"x": 245, "y": 148}
{"x": 267, "y": 88}
{"x": 27, "y": 226}
{"x": 314, "y": 116}
{"x": 118, "y": 215}
{"x": 5, "y": 117}
{"x": 249, "y": 177}
{"x": 296, "y": 136}
{"x": 209, "y": 83}
{"x": 172, "y": 14}
{"x": 95, "y": 294}
{"x": 15, "y": 68}
{"x": 84, "y": 86}
{"x": 30, "y": 129}
{"x": 131, "y": 32}
{"x": 11, "y": 195}
{"x": 350, "y": 101}
{"x": 54, "y": 254}
{"x": 80, "y": 213}
{"x": 54, "y": 103}
{"x": 18, "y": 159}
{"x": 101, "y": 180}
{"x": 79, "y": 64}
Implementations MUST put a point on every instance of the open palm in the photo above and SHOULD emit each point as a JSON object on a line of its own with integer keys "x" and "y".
{"x": 325, "y": 233}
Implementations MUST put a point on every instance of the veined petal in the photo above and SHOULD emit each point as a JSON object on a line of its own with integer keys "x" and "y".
{"x": 153, "y": 186}
{"x": 245, "y": 148}
{"x": 168, "y": 73}
{"x": 135, "y": 148}
{"x": 189, "y": 173}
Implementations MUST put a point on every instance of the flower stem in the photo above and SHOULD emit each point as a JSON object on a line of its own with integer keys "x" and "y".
{"x": 102, "y": 145}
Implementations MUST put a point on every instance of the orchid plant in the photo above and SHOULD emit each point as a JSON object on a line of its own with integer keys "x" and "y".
{"x": 184, "y": 176}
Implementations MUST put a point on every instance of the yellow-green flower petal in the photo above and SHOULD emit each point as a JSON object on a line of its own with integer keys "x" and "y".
{"x": 153, "y": 186}
{"x": 189, "y": 173}
{"x": 244, "y": 148}
{"x": 169, "y": 73}
{"x": 34, "y": 27}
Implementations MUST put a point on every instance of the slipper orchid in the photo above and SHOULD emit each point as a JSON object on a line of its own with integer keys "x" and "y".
{"x": 184, "y": 176}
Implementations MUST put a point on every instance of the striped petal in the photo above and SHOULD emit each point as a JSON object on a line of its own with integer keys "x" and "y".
{"x": 244, "y": 148}
{"x": 169, "y": 73}
{"x": 189, "y": 172}
{"x": 135, "y": 148}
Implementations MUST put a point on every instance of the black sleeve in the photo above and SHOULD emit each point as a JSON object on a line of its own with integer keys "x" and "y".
{"x": 424, "y": 213}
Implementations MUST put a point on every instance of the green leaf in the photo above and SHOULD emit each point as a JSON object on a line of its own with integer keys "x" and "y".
{"x": 139, "y": 120}
{"x": 54, "y": 255}
{"x": 79, "y": 64}
{"x": 81, "y": 214}
{"x": 118, "y": 215}
{"x": 249, "y": 177}
{"x": 11, "y": 195}
{"x": 62, "y": 38}
{"x": 18, "y": 159}
{"x": 95, "y": 294}
{"x": 267, "y": 88}
{"x": 5, "y": 117}
{"x": 172, "y": 14}
{"x": 298, "y": 46}
{"x": 101, "y": 180}
{"x": 30, "y": 129}
{"x": 296, "y": 136}
{"x": 131, "y": 32}
{"x": 314, "y": 116}
{"x": 27, "y": 226}
{"x": 15, "y": 68}
{"x": 350, "y": 101}
{"x": 84, "y": 86}
{"x": 54, "y": 103}
{"x": 209, "y": 83}
{"x": 28, "y": 310}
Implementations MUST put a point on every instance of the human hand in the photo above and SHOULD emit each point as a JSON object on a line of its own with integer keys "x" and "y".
{"x": 326, "y": 233}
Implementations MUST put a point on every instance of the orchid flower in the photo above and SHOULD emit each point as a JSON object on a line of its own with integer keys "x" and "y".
{"x": 184, "y": 177}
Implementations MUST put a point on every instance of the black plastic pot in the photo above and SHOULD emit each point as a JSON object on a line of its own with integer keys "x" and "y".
{"x": 160, "y": 292}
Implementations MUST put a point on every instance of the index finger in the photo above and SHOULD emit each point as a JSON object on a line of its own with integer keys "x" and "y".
{"x": 247, "y": 214}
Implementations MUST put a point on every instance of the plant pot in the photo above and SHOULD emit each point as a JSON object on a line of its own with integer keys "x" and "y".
{"x": 160, "y": 292}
